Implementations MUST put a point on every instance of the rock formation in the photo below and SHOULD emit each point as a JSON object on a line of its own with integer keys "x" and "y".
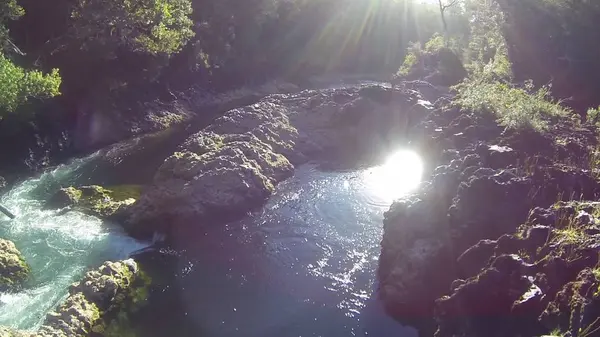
{"x": 14, "y": 271}
{"x": 95, "y": 200}
{"x": 473, "y": 248}
{"x": 233, "y": 165}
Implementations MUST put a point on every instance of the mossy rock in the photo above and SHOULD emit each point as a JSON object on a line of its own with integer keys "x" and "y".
{"x": 118, "y": 323}
{"x": 64, "y": 197}
{"x": 96, "y": 200}
{"x": 14, "y": 271}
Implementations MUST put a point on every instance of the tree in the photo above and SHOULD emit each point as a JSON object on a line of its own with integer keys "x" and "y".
{"x": 145, "y": 26}
{"x": 444, "y": 5}
{"x": 17, "y": 84}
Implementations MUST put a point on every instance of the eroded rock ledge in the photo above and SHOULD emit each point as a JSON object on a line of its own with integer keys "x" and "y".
{"x": 473, "y": 248}
{"x": 233, "y": 165}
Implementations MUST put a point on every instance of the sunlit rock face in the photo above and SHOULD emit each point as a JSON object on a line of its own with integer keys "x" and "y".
{"x": 233, "y": 165}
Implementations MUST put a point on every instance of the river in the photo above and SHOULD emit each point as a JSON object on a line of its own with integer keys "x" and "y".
{"x": 303, "y": 265}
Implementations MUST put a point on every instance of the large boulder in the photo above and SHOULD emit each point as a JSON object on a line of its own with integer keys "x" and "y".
{"x": 236, "y": 175}
{"x": 14, "y": 271}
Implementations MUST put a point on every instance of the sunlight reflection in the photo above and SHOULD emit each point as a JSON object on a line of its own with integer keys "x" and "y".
{"x": 400, "y": 174}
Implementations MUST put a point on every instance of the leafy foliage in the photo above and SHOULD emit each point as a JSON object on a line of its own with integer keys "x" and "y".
{"x": 412, "y": 57}
{"x": 149, "y": 26}
{"x": 515, "y": 108}
{"x": 18, "y": 84}
{"x": 9, "y": 10}
{"x": 556, "y": 40}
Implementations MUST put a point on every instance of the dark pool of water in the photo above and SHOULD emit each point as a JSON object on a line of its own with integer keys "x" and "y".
{"x": 304, "y": 265}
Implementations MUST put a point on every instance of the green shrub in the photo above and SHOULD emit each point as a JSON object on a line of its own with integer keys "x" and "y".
{"x": 593, "y": 116}
{"x": 435, "y": 43}
{"x": 18, "y": 84}
{"x": 515, "y": 108}
{"x": 413, "y": 53}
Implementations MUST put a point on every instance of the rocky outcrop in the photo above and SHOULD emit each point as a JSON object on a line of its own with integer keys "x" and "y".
{"x": 442, "y": 67}
{"x": 95, "y": 200}
{"x": 233, "y": 165}
{"x": 442, "y": 241}
{"x": 92, "y": 300}
{"x": 543, "y": 278}
{"x": 14, "y": 271}
{"x": 94, "y": 304}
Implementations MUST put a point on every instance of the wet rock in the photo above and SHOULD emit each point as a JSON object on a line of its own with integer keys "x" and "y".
{"x": 14, "y": 271}
{"x": 8, "y": 332}
{"x": 91, "y": 301}
{"x": 64, "y": 197}
{"x": 415, "y": 249}
{"x": 238, "y": 174}
{"x": 487, "y": 186}
{"x": 96, "y": 200}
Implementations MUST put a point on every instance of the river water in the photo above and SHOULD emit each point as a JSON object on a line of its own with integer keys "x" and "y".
{"x": 304, "y": 265}
{"x": 58, "y": 247}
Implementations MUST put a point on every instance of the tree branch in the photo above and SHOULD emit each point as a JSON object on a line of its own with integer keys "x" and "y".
{"x": 444, "y": 7}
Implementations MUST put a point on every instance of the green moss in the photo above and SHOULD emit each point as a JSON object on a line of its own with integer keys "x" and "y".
{"x": 97, "y": 200}
{"x": 120, "y": 324}
{"x": 124, "y": 192}
{"x": 14, "y": 271}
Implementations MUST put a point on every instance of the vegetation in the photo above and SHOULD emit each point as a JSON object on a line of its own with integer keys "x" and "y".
{"x": 16, "y": 83}
{"x": 147, "y": 26}
{"x": 104, "y": 53}
{"x": 514, "y": 107}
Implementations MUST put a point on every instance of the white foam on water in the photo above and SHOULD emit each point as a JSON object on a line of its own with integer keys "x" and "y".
{"x": 59, "y": 246}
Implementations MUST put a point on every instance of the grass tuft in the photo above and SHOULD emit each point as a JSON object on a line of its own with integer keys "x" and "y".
{"x": 514, "y": 107}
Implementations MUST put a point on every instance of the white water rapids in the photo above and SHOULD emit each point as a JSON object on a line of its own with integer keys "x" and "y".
{"x": 58, "y": 247}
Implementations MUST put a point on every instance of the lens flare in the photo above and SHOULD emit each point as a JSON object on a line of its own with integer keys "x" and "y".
{"x": 399, "y": 175}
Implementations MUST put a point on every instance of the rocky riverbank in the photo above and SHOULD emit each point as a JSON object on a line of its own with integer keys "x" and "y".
{"x": 486, "y": 246}
{"x": 499, "y": 240}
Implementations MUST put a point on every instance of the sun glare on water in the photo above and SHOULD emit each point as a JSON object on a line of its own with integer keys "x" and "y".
{"x": 400, "y": 174}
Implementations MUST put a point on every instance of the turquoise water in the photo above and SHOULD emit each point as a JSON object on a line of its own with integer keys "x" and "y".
{"x": 59, "y": 247}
